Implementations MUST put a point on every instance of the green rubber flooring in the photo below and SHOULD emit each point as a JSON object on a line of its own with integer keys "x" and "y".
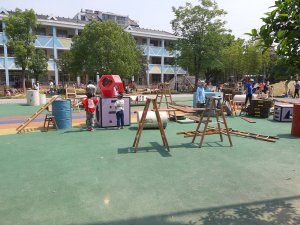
{"x": 88, "y": 178}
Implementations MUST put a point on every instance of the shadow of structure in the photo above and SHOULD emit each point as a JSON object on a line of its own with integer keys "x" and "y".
{"x": 270, "y": 212}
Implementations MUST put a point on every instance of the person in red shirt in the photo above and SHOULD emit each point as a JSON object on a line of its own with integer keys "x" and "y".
{"x": 90, "y": 106}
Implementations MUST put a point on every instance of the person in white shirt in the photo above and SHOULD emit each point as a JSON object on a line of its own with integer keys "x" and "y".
{"x": 119, "y": 105}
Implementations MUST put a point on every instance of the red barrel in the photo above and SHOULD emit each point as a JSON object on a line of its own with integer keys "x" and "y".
{"x": 296, "y": 121}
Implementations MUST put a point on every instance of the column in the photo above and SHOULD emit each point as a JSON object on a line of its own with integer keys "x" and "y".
{"x": 162, "y": 60}
{"x": 55, "y": 55}
{"x": 175, "y": 72}
{"x": 5, "y": 56}
{"x": 148, "y": 60}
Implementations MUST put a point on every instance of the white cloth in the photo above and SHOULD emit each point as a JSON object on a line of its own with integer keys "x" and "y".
{"x": 119, "y": 104}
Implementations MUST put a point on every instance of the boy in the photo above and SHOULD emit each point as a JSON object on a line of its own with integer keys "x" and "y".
{"x": 119, "y": 104}
{"x": 90, "y": 106}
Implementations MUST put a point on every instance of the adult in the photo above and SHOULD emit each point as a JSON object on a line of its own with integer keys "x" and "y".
{"x": 249, "y": 91}
{"x": 200, "y": 95}
{"x": 296, "y": 92}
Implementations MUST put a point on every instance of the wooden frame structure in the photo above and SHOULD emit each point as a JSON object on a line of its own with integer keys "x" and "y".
{"x": 142, "y": 122}
{"x": 211, "y": 105}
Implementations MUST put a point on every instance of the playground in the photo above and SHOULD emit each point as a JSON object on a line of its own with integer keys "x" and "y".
{"x": 72, "y": 176}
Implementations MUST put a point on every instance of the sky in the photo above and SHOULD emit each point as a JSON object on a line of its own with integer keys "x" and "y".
{"x": 243, "y": 15}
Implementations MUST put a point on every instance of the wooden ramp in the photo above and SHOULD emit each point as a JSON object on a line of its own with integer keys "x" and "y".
{"x": 33, "y": 116}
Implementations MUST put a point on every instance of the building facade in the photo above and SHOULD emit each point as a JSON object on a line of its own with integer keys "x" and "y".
{"x": 54, "y": 36}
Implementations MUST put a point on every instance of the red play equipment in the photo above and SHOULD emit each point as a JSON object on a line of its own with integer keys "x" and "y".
{"x": 110, "y": 85}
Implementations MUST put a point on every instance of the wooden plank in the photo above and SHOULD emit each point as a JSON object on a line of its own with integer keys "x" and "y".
{"x": 248, "y": 120}
{"x": 34, "y": 115}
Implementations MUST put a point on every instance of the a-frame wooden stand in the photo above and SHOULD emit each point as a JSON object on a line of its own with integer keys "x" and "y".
{"x": 33, "y": 116}
{"x": 211, "y": 106}
{"x": 165, "y": 92}
{"x": 72, "y": 95}
{"x": 142, "y": 122}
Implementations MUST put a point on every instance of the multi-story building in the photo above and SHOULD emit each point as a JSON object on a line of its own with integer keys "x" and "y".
{"x": 54, "y": 35}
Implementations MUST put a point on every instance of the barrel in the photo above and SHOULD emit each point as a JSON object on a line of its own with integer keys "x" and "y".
{"x": 61, "y": 110}
{"x": 296, "y": 121}
{"x": 151, "y": 121}
{"x": 42, "y": 99}
{"x": 33, "y": 97}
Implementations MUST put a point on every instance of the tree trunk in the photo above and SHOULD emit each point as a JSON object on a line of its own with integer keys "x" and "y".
{"x": 23, "y": 80}
{"x": 86, "y": 78}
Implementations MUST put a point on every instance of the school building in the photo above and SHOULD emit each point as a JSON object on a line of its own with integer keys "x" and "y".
{"x": 54, "y": 35}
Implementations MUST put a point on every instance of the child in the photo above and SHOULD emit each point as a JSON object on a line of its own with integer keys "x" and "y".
{"x": 90, "y": 105}
{"x": 119, "y": 104}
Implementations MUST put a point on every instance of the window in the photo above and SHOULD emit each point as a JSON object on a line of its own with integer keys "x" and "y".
{"x": 40, "y": 31}
{"x": 82, "y": 17}
{"x": 156, "y": 60}
{"x": 1, "y": 28}
{"x": 62, "y": 33}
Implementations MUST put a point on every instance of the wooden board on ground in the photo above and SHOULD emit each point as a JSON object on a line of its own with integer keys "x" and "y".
{"x": 234, "y": 132}
{"x": 248, "y": 120}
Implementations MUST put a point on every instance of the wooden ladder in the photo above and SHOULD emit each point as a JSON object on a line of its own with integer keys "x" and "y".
{"x": 38, "y": 112}
{"x": 211, "y": 106}
{"x": 142, "y": 122}
{"x": 72, "y": 95}
{"x": 165, "y": 92}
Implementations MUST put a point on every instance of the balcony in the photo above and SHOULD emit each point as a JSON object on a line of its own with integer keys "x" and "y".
{"x": 156, "y": 51}
{"x": 167, "y": 69}
{"x": 11, "y": 64}
{"x": 49, "y": 42}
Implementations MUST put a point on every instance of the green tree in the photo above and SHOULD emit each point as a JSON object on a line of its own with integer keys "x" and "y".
{"x": 65, "y": 65}
{"x": 38, "y": 64}
{"x": 106, "y": 48}
{"x": 282, "y": 29}
{"x": 201, "y": 30}
{"x": 19, "y": 27}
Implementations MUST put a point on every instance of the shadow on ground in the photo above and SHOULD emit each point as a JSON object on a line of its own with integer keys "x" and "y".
{"x": 270, "y": 212}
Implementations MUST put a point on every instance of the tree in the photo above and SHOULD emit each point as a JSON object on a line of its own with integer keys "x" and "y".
{"x": 38, "y": 64}
{"x": 201, "y": 30}
{"x": 65, "y": 65}
{"x": 106, "y": 48}
{"x": 282, "y": 29}
{"x": 19, "y": 27}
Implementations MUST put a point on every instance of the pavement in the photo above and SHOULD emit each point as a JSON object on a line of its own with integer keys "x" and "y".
{"x": 76, "y": 177}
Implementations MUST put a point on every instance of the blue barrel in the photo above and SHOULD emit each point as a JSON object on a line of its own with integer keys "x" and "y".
{"x": 61, "y": 110}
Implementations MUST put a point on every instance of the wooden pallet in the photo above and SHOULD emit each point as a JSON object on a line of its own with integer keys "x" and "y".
{"x": 38, "y": 112}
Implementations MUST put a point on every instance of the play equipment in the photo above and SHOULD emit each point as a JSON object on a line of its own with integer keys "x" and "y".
{"x": 150, "y": 120}
{"x": 142, "y": 122}
{"x": 33, "y": 97}
{"x": 296, "y": 121}
{"x": 61, "y": 110}
{"x": 38, "y": 112}
{"x": 43, "y": 99}
{"x": 110, "y": 85}
{"x": 106, "y": 112}
{"x": 211, "y": 106}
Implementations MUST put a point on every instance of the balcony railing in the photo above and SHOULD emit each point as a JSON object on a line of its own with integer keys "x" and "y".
{"x": 166, "y": 69}
{"x": 12, "y": 66}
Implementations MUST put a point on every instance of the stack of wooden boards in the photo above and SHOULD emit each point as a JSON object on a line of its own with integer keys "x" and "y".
{"x": 259, "y": 108}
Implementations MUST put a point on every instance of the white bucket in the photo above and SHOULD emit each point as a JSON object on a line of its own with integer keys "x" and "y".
{"x": 151, "y": 121}
{"x": 43, "y": 99}
{"x": 33, "y": 97}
